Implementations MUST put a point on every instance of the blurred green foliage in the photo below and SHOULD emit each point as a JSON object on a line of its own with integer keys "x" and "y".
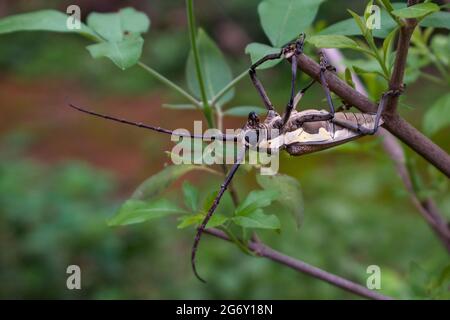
{"x": 356, "y": 210}
{"x": 55, "y": 216}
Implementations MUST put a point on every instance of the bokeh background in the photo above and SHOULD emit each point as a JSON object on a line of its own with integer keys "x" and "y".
{"x": 62, "y": 174}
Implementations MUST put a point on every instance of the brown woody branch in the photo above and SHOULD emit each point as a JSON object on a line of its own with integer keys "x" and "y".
{"x": 263, "y": 250}
{"x": 396, "y": 81}
{"x": 392, "y": 122}
{"x": 391, "y": 145}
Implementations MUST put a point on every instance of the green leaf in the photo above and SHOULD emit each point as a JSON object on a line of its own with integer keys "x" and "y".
{"x": 284, "y": 20}
{"x": 216, "y": 220}
{"x": 361, "y": 71}
{"x": 359, "y": 21}
{"x": 418, "y": 278}
{"x": 387, "y": 44}
{"x": 190, "y": 196}
{"x": 179, "y": 106}
{"x": 157, "y": 184}
{"x": 352, "y": 27}
{"x": 439, "y": 19}
{"x": 122, "y": 34}
{"x": 137, "y": 211}
{"x": 114, "y": 26}
{"x": 258, "y": 220}
{"x": 363, "y": 66}
{"x": 256, "y": 200}
{"x": 216, "y": 72}
{"x": 243, "y": 111}
{"x": 416, "y": 11}
{"x": 290, "y": 193}
{"x": 388, "y": 5}
{"x": 440, "y": 45}
{"x": 438, "y": 116}
{"x": 333, "y": 41}
{"x": 208, "y": 201}
{"x": 134, "y": 21}
{"x": 44, "y": 20}
{"x": 367, "y": 12}
{"x": 349, "y": 78}
{"x": 124, "y": 54}
{"x": 259, "y": 50}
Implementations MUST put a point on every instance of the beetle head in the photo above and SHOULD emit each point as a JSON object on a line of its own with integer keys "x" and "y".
{"x": 253, "y": 120}
{"x": 294, "y": 47}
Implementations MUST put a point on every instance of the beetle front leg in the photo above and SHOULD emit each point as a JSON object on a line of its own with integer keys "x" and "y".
{"x": 297, "y": 51}
{"x": 213, "y": 208}
{"x": 258, "y": 85}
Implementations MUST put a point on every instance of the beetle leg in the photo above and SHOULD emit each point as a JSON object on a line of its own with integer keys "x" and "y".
{"x": 363, "y": 130}
{"x": 299, "y": 43}
{"x": 383, "y": 102}
{"x": 290, "y": 105}
{"x": 258, "y": 85}
{"x": 213, "y": 208}
{"x": 324, "y": 66}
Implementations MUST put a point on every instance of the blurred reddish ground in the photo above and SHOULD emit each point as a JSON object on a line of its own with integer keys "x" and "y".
{"x": 60, "y": 133}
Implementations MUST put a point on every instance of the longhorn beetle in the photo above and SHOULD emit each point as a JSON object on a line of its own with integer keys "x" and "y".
{"x": 298, "y": 132}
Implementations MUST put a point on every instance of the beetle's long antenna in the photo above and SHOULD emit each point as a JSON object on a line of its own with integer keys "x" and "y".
{"x": 211, "y": 210}
{"x": 221, "y": 137}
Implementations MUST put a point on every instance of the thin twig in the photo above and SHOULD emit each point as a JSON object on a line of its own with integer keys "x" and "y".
{"x": 170, "y": 84}
{"x": 195, "y": 52}
{"x": 265, "y": 251}
{"x": 228, "y": 87}
{"x": 427, "y": 208}
{"x": 396, "y": 81}
{"x": 393, "y": 123}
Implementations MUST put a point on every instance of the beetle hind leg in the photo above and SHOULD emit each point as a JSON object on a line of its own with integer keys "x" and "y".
{"x": 357, "y": 127}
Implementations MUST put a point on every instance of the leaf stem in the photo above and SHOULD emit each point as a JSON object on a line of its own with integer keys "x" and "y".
{"x": 228, "y": 87}
{"x": 170, "y": 84}
{"x": 377, "y": 56}
{"x": 388, "y": 6}
{"x": 192, "y": 33}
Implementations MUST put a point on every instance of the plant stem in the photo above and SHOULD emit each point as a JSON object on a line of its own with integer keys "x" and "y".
{"x": 170, "y": 84}
{"x": 228, "y": 87}
{"x": 387, "y": 5}
{"x": 396, "y": 81}
{"x": 265, "y": 251}
{"x": 377, "y": 56}
{"x": 395, "y": 124}
{"x": 391, "y": 145}
{"x": 434, "y": 79}
{"x": 422, "y": 46}
{"x": 192, "y": 32}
